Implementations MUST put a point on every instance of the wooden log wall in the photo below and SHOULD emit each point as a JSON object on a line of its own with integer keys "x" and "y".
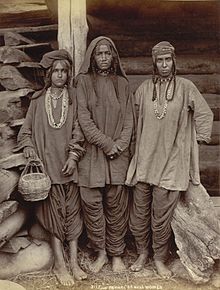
{"x": 193, "y": 28}
{"x": 134, "y": 28}
{"x": 24, "y": 13}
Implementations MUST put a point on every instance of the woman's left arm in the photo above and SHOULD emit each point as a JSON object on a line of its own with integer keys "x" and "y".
{"x": 203, "y": 116}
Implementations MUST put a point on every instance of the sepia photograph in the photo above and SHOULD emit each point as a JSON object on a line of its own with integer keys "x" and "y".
{"x": 110, "y": 144}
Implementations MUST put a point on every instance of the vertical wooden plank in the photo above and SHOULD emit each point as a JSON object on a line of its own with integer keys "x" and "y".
{"x": 73, "y": 29}
{"x": 79, "y": 30}
{"x": 64, "y": 26}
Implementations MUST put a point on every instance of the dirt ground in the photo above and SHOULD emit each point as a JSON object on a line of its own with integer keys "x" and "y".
{"x": 147, "y": 279}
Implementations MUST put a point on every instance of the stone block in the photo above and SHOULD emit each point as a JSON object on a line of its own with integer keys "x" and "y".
{"x": 7, "y": 140}
{"x": 9, "y": 285}
{"x": 8, "y": 183}
{"x": 10, "y": 55}
{"x": 12, "y": 79}
{"x": 14, "y": 160}
{"x": 14, "y": 104}
{"x": 13, "y": 38}
{"x": 7, "y": 208}
{"x": 10, "y": 226}
{"x": 36, "y": 257}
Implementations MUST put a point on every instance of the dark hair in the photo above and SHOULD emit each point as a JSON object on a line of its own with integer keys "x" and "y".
{"x": 49, "y": 72}
{"x": 155, "y": 78}
{"x": 113, "y": 70}
{"x": 48, "y": 75}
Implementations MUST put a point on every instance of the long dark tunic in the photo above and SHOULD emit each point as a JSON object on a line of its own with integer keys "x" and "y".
{"x": 52, "y": 145}
{"x": 104, "y": 120}
{"x": 105, "y": 116}
{"x": 60, "y": 212}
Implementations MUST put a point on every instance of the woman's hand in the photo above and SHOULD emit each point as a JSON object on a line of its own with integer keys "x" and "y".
{"x": 29, "y": 152}
{"x": 69, "y": 167}
{"x": 115, "y": 151}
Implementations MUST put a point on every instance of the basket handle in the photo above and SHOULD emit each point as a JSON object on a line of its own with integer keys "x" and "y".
{"x": 39, "y": 166}
{"x": 34, "y": 163}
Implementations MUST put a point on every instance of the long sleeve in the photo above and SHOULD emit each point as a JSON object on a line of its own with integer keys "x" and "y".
{"x": 89, "y": 128}
{"x": 75, "y": 146}
{"x": 202, "y": 115}
{"x": 125, "y": 137}
{"x": 24, "y": 138}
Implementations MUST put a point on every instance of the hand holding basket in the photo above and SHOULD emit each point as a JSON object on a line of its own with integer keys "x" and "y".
{"x": 34, "y": 183}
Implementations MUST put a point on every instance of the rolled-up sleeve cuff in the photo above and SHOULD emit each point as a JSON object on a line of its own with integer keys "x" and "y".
{"x": 74, "y": 156}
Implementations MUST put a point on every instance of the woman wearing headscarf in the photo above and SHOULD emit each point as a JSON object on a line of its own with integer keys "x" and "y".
{"x": 51, "y": 132}
{"x": 172, "y": 118}
{"x": 105, "y": 116}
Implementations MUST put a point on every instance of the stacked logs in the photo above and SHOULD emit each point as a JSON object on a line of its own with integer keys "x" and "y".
{"x": 20, "y": 77}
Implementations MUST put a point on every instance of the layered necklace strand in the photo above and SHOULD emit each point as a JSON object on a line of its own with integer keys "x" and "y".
{"x": 162, "y": 114}
{"x": 64, "y": 109}
{"x": 55, "y": 98}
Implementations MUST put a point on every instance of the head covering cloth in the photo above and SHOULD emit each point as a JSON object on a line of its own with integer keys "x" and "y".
{"x": 88, "y": 63}
{"x": 101, "y": 40}
{"x": 47, "y": 62}
{"x": 49, "y": 57}
{"x": 161, "y": 48}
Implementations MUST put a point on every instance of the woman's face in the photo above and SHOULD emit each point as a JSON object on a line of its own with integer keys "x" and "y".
{"x": 103, "y": 57}
{"x": 59, "y": 74}
{"x": 164, "y": 63}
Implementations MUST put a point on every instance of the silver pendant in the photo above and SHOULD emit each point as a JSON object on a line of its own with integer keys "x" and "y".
{"x": 54, "y": 102}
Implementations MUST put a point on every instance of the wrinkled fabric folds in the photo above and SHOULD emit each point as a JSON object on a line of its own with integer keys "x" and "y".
{"x": 150, "y": 217}
{"x": 106, "y": 217}
{"x": 60, "y": 213}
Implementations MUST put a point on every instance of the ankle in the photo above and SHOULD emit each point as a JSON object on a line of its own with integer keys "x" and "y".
{"x": 116, "y": 258}
{"x": 159, "y": 261}
{"x": 102, "y": 253}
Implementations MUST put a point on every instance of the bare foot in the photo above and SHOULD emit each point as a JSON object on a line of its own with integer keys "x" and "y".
{"x": 63, "y": 277}
{"x": 99, "y": 262}
{"x": 78, "y": 273}
{"x": 118, "y": 265}
{"x": 162, "y": 269}
{"x": 139, "y": 263}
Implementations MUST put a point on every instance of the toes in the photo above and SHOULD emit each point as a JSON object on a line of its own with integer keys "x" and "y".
{"x": 80, "y": 276}
{"x": 84, "y": 277}
{"x": 136, "y": 268}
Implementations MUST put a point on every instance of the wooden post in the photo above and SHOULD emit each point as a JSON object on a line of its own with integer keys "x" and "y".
{"x": 73, "y": 29}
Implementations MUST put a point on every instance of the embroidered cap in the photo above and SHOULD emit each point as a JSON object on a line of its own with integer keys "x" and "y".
{"x": 162, "y": 47}
{"x": 50, "y": 57}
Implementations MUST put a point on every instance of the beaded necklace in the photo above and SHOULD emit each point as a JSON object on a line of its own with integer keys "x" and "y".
{"x": 104, "y": 72}
{"x": 167, "y": 98}
{"x": 54, "y": 98}
{"x": 64, "y": 110}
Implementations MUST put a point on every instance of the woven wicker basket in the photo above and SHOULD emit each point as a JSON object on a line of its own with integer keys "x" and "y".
{"x": 34, "y": 183}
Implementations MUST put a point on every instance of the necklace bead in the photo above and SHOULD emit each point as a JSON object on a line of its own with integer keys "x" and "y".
{"x": 64, "y": 110}
{"x": 54, "y": 97}
{"x": 164, "y": 111}
{"x": 168, "y": 94}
